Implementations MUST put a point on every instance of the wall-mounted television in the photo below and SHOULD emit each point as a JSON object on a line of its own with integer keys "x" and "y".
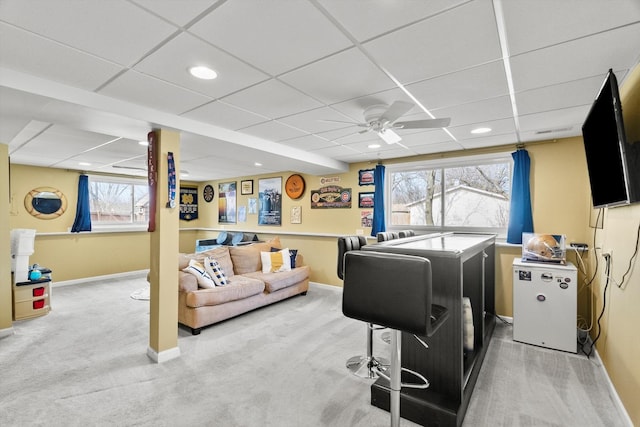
{"x": 613, "y": 160}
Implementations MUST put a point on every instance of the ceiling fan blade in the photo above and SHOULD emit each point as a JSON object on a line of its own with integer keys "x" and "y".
{"x": 395, "y": 111}
{"x": 389, "y": 136}
{"x": 419, "y": 124}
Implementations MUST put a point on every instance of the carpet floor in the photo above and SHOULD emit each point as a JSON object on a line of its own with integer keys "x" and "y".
{"x": 85, "y": 363}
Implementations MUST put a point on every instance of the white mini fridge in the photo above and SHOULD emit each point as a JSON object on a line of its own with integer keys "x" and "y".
{"x": 545, "y": 304}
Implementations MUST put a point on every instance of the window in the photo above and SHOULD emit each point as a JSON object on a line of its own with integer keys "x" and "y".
{"x": 471, "y": 194}
{"x": 118, "y": 202}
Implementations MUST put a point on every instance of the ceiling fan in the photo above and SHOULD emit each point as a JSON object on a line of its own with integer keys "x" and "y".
{"x": 382, "y": 119}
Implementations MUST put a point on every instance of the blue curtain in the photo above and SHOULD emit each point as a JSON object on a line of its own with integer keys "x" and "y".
{"x": 378, "y": 201}
{"x": 83, "y": 213}
{"x": 520, "y": 217}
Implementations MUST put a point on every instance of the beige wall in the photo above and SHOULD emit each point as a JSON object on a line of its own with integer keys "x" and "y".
{"x": 5, "y": 253}
{"x": 71, "y": 255}
{"x": 619, "y": 345}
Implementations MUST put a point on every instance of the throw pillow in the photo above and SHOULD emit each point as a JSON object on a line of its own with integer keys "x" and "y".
{"x": 214, "y": 269}
{"x": 274, "y": 262}
{"x": 293, "y": 254}
{"x": 198, "y": 270}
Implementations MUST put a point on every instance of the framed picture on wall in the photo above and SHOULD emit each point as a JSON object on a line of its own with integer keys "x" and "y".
{"x": 365, "y": 200}
{"x": 296, "y": 215}
{"x": 227, "y": 203}
{"x": 246, "y": 187}
{"x": 270, "y": 201}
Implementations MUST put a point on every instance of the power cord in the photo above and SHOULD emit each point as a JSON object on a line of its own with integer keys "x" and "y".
{"x": 607, "y": 257}
{"x": 635, "y": 253}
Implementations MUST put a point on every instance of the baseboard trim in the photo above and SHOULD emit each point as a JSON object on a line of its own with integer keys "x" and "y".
{"x": 6, "y": 332}
{"x": 612, "y": 390}
{"x": 85, "y": 280}
{"x": 164, "y": 355}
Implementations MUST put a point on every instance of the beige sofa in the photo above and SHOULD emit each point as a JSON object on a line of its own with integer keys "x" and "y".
{"x": 248, "y": 287}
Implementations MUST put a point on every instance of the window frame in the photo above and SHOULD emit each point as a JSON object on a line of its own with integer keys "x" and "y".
{"x": 129, "y": 226}
{"x": 443, "y": 164}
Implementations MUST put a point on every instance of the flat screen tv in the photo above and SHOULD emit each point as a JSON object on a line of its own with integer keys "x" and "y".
{"x": 612, "y": 160}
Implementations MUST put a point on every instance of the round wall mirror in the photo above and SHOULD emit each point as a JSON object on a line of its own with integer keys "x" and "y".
{"x": 45, "y": 203}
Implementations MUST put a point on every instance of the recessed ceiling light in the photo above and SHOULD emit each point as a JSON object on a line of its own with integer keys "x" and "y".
{"x": 202, "y": 72}
{"x": 374, "y": 146}
{"x": 480, "y": 130}
{"x": 257, "y": 164}
{"x": 84, "y": 164}
{"x": 145, "y": 143}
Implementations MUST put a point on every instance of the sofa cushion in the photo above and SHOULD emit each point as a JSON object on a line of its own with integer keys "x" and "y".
{"x": 239, "y": 287}
{"x": 246, "y": 259}
{"x": 187, "y": 282}
{"x": 283, "y": 279}
{"x": 220, "y": 254}
{"x": 275, "y": 261}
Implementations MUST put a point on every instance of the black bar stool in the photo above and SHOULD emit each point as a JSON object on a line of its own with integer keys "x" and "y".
{"x": 361, "y": 365}
{"x": 393, "y": 290}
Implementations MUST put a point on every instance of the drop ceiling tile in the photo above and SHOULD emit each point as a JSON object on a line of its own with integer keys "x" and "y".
{"x": 308, "y": 142}
{"x": 498, "y": 127}
{"x": 58, "y": 143}
{"x": 153, "y": 93}
{"x": 531, "y": 25}
{"x": 365, "y": 20}
{"x": 433, "y": 136}
{"x": 178, "y": 12}
{"x": 342, "y": 76}
{"x": 122, "y": 147}
{"x": 171, "y": 63}
{"x": 224, "y": 115}
{"x": 440, "y": 147}
{"x": 272, "y": 131}
{"x": 454, "y": 40}
{"x": 473, "y": 84}
{"x": 575, "y": 60}
{"x": 26, "y": 52}
{"x": 490, "y": 141}
{"x": 555, "y": 97}
{"x": 115, "y": 30}
{"x": 265, "y": 34}
{"x": 572, "y": 118}
{"x": 336, "y": 151}
{"x": 318, "y": 120}
{"x": 272, "y": 99}
{"x": 477, "y": 112}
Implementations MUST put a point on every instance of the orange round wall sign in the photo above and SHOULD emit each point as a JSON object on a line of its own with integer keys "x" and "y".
{"x": 295, "y": 186}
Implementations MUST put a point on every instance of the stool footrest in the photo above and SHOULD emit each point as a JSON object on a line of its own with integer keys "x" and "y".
{"x": 423, "y": 385}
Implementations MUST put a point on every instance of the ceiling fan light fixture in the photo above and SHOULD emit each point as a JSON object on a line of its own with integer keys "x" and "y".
{"x": 478, "y": 131}
{"x": 389, "y": 136}
{"x": 202, "y": 72}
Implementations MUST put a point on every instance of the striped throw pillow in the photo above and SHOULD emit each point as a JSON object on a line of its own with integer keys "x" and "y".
{"x": 216, "y": 272}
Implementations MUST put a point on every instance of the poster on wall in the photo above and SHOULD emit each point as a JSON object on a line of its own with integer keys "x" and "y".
{"x": 270, "y": 201}
{"x": 242, "y": 214}
{"x": 188, "y": 203}
{"x": 366, "y": 218}
{"x": 227, "y": 203}
{"x": 331, "y": 196}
